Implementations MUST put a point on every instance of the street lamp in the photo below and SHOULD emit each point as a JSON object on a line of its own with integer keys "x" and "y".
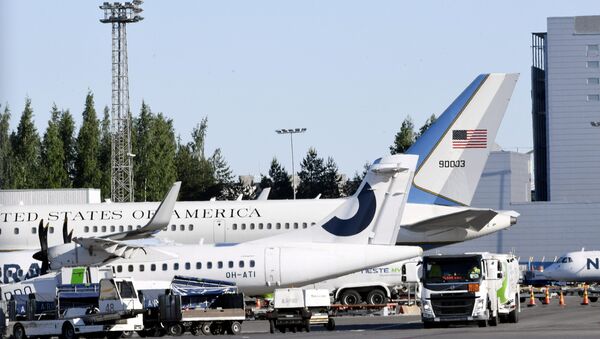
{"x": 291, "y": 132}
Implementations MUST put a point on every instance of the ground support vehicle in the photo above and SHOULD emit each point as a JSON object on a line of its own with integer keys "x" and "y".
{"x": 200, "y": 306}
{"x": 107, "y": 309}
{"x": 296, "y": 309}
{"x": 481, "y": 287}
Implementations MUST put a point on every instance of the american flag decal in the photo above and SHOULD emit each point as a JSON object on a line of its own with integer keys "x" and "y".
{"x": 469, "y": 138}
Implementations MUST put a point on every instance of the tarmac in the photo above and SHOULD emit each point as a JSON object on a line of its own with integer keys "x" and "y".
{"x": 541, "y": 321}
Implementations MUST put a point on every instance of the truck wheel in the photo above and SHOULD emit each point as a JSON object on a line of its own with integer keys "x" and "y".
{"x": 493, "y": 321}
{"x": 205, "y": 328}
{"x": 282, "y": 329}
{"x": 376, "y": 297}
{"x": 482, "y": 323}
{"x": 307, "y": 325}
{"x": 235, "y": 328}
{"x": 175, "y": 330}
{"x": 593, "y": 299}
{"x": 350, "y": 297}
{"x": 429, "y": 324}
{"x": 513, "y": 317}
{"x": 330, "y": 325}
{"x": 68, "y": 332}
{"x": 271, "y": 326}
{"x": 126, "y": 334}
{"x": 114, "y": 335}
{"x": 18, "y": 331}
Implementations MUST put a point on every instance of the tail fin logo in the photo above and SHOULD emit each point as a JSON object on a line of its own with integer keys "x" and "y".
{"x": 469, "y": 138}
{"x": 367, "y": 205}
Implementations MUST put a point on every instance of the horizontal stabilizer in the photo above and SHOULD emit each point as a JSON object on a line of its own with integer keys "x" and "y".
{"x": 474, "y": 219}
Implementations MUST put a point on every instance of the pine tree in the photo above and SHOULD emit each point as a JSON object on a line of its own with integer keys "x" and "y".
{"x": 67, "y": 135}
{"x": 26, "y": 146}
{"x": 199, "y": 136}
{"x": 426, "y": 126}
{"x": 330, "y": 180}
{"x": 6, "y": 154}
{"x": 87, "y": 169}
{"x": 53, "y": 156}
{"x": 404, "y": 138}
{"x": 195, "y": 174}
{"x": 223, "y": 175}
{"x": 281, "y": 187}
{"x": 351, "y": 186}
{"x": 104, "y": 159}
{"x": 310, "y": 175}
{"x": 141, "y": 145}
{"x": 162, "y": 172}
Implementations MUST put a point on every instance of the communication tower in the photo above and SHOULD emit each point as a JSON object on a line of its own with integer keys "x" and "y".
{"x": 119, "y": 15}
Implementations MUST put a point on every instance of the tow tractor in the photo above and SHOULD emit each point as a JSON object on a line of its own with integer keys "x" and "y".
{"x": 110, "y": 307}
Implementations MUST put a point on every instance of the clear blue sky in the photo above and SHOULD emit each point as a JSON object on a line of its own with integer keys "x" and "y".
{"x": 348, "y": 71}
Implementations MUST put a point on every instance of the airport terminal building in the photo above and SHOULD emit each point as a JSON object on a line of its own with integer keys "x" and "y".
{"x": 562, "y": 213}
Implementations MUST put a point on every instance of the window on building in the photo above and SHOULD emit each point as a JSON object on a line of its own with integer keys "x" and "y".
{"x": 593, "y": 64}
{"x": 592, "y": 50}
{"x": 593, "y": 81}
{"x": 593, "y": 97}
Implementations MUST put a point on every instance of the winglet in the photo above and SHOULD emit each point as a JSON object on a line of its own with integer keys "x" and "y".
{"x": 159, "y": 221}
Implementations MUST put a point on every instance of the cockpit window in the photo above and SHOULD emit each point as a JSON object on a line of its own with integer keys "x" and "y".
{"x": 566, "y": 260}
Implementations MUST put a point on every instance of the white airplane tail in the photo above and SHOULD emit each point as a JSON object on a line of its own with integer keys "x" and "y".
{"x": 453, "y": 151}
{"x": 372, "y": 215}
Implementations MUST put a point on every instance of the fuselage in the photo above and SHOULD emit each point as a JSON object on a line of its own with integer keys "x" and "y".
{"x": 583, "y": 266}
{"x": 209, "y": 221}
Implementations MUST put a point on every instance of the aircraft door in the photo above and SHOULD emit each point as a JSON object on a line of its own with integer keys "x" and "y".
{"x": 272, "y": 267}
{"x": 219, "y": 231}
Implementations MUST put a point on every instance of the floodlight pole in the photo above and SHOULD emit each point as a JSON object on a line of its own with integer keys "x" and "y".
{"x": 291, "y": 132}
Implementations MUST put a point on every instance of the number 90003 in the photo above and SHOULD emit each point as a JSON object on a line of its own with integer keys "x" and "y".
{"x": 451, "y": 163}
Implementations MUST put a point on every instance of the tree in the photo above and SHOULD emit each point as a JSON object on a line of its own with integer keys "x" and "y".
{"x": 87, "y": 169}
{"x": 310, "y": 175}
{"x": 161, "y": 172}
{"x": 53, "y": 156}
{"x": 223, "y": 176}
{"x": 351, "y": 185}
{"x": 330, "y": 180}
{"x": 404, "y": 138}
{"x": 195, "y": 174}
{"x": 66, "y": 126}
{"x": 141, "y": 146}
{"x": 279, "y": 181}
{"x": 104, "y": 155}
{"x": 26, "y": 146}
{"x": 199, "y": 136}
{"x": 426, "y": 126}
{"x": 6, "y": 154}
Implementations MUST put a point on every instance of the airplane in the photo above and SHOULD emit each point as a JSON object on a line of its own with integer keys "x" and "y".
{"x": 580, "y": 266}
{"x": 437, "y": 212}
{"x": 361, "y": 233}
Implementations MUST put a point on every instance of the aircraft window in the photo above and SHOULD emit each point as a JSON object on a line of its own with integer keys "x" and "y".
{"x": 119, "y": 268}
{"x": 86, "y": 229}
{"x": 234, "y": 227}
{"x": 269, "y": 226}
{"x": 173, "y": 227}
{"x": 95, "y": 229}
{"x": 252, "y": 226}
{"x": 278, "y": 225}
{"x": 241, "y": 264}
{"x": 112, "y": 228}
{"x": 287, "y": 225}
{"x": 16, "y": 230}
{"x": 130, "y": 228}
{"x": 103, "y": 229}
{"x": 230, "y": 264}
{"x": 164, "y": 267}
{"x": 243, "y": 226}
{"x": 209, "y": 265}
{"x": 296, "y": 225}
{"x": 176, "y": 266}
{"x": 153, "y": 267}
{"x": 51, "y": 229}
{"x": 304, "y": 225}
{"x": 188, "y": 266}
{"x": 121, "y": 228}
{"x": 251, "y": 263}
{"x": 33, "y": 230}
{"x": 260, "y": 226}
{"x": 142, "y": 268}
{"x": 190, "y": 227}
{"x": 219, "y": 264}
{"x": 182, "y": 227}
{"x": 312, "y": 223}
{"x": 198, "y": 265}
{"x": 130, "y": 268}
{"x": 138, "y": 227}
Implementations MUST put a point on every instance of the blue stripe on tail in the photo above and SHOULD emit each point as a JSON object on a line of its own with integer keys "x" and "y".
{"x": 426, "y": 143}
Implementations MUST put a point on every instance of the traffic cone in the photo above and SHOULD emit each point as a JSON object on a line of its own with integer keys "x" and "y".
{"x": 585, "y": 301}
{"x": 531, "y": 297}
{"x": 561, "y": 300}
{"x": 546, "y": 296}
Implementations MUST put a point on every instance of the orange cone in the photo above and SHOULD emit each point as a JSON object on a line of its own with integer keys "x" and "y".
{"x": 531, "y": 297}
{"x": 561, "y": 300}
{"x": 546, "y": 296}
{"x": 585, "y": 301}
